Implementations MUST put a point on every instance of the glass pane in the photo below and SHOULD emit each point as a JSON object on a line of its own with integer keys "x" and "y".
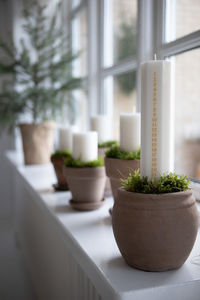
{"x": 79, "y": 43}
{"x": 187, "y": 114}
{"x": 81, "y": 109}
{"x": 120, "y": 96}
{"x": 183, "y": 17}
{"x": 120, "y": 30}
{"x": 75, "y": 3}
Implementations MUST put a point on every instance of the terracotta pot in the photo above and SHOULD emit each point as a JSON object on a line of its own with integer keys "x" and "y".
{"x": 108, "y": 189}
{"x": 155, "y": 232}
{"x": 87, "y": 186}
{"x": 37, "y": 142}
{"x": 118, "y": 168}
{"x": 58, "y": 163}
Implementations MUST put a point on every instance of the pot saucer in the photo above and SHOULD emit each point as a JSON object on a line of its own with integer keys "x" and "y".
{"x": 60, "y": 188}
{"x": 86, "y": 206}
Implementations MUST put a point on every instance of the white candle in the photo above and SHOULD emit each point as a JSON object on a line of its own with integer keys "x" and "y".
{"x": 130, "y": 132}
{"x": 85, "y": 146}
{"x": 102, "y": 124}
{"x": 156, "y": 119}
{"x": 65, "y": 138}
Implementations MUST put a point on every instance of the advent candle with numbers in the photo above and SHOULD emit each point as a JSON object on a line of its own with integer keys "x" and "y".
{"x": 156, "y": 119}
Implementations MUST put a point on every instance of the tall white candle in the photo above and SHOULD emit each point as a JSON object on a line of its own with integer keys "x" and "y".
{"x": 102, "y": 124}
{"x": 130, "y": 132}
{"x": 156, "y": 119}
{"x": 65, "y": 137}
{"x": 85, "y": 146}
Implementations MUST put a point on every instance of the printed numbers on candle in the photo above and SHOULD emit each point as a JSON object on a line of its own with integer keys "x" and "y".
{"x": 154, "y": 128}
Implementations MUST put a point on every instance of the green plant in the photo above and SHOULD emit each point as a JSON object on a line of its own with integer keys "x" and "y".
{"x": 169, "y": 183}
{"x": 72, "y": 163}
{"x": 108, "y": 144}
{"x": 127, "y": 47}
{"x": 62, "y": 154}
{"x": 115, "y": 152}
{"x": 41, "y": 68}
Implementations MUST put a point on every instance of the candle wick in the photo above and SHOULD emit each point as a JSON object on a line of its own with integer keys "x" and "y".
{"x": 155, "y": 57}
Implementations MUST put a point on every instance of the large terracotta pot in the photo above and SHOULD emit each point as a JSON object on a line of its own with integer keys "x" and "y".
{"x": 58, "y": 163}
{"x": 37, "y": 142}
{"x": 117, "y": 169}
{"x": 108, "y": 190}
{"x": 155, "y": 232}
{"x": 87, "y": 186}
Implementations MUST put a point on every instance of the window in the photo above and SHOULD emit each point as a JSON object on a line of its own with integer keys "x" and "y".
{"x": 79, "y": 36}
{"x": 180, "y": 41}
{"x": 184, "y": 17}
{"x": 119, "y": 66}
{"x": 115, "y": 36}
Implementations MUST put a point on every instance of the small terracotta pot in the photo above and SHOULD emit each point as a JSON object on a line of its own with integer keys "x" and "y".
{"x": 87, "y": 186}
{"x": 119, "y": 168}
{"x": 108, "y": 189}
{"x": 58, "y": 163}
{"x": 155, "y": 232}
{"x": 37, "y": 142}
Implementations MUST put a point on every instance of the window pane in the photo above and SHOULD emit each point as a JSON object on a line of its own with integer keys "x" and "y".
{"x": 75, "y": 3}
{"x": 187, "y": 114}
{"x": 79, "y": 43}
{"x": 120, "y": 96}
{"x": 120, "y": 30}
{"x": 183, "y": 17}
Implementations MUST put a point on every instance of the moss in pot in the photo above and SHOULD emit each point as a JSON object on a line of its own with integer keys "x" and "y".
{"x": 86, "y": 181}
{"x": 155, "y": 222}
{"x": 118, "y": 163}
{"x": 58, "y": 159}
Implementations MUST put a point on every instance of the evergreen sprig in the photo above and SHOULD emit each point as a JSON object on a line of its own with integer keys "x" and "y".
{"x": 72, "y": 163}
{"x": 170, "y": 183}
{"x": 41, "y": 68}
{"x": 115, "y": 152}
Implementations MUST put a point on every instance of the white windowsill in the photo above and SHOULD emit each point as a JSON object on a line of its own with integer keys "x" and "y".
{"x": 91, "y": 240}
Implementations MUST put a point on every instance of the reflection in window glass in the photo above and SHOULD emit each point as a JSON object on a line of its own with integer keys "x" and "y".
{"x": 79, "y": 43}
{"x": 187, "y": 114}
{"x": 183, "y": 17}
{"x": 120, "y": 30}
{"x": 123, "y": 89}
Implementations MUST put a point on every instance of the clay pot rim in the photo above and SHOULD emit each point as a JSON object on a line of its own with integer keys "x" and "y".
{"x": 84, "y": 168}
{"x": 155, "y": 201}
{"x": 56, "y": 159}
{"x": 162, "y": 195}
{"x": 120, "y": 159}
{"x": 84, "y": 173}
{"x": 50, "y": 122}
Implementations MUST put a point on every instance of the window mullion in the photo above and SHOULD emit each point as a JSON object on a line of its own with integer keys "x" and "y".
{"x": 94, "y": 58}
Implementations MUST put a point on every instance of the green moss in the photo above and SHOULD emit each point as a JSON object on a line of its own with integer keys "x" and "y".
{"x": 115, "y": 152}
{"x": 72, "y": 163}
{"x": 108, "y": 144}
{"x": 64, "y": 154}
{"x": 170, "y": 183}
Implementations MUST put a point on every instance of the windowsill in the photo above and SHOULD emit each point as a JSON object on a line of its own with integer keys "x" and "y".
{"x": 90, "y": 239}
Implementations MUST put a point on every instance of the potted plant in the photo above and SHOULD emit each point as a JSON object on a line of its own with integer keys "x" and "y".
{"x": 118, "y": 164}
{"x": 58, "y": 159}
{"x": 86, "y": 181}
{"x": 155, "y": 222}
{"x": 41, "y": 73}
{"x": 102, "y": 148}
